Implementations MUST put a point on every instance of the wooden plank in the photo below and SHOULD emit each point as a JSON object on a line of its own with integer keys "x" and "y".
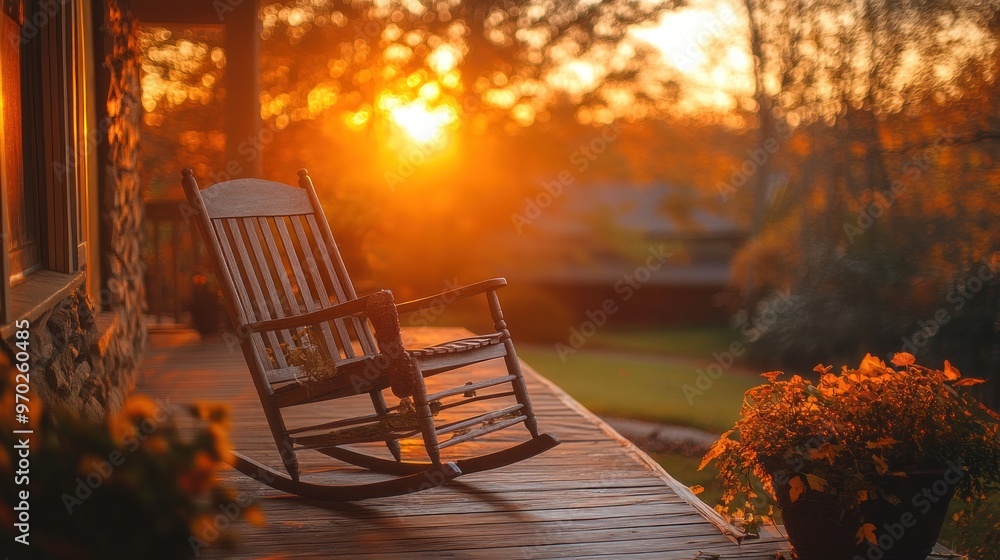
{"x": 595, "y": 496}
{"x": 37, "y": 294}
{"x": 249, "y": 277}
{"x": 321, "y": 294}
{"x": 251, "y": 198}
{"x": 338, "y": 277}
{"x": 232, "y": 268}
{"x": 300, "y": 279}
{"x": 265, "y": 225}
{"x": 444, "y": 362}
{"x": 589, "y": 496}
{"x": 266, "y": 268}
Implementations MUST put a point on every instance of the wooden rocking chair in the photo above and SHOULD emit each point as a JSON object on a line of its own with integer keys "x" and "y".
{"x": 288, "y": 294}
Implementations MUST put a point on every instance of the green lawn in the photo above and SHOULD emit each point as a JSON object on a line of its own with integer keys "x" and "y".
{"x": 638, "y": 386}
{"x": 692, "y": 342}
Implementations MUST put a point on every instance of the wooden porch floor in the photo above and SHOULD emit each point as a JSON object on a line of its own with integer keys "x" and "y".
{"x": 596, "y": 495}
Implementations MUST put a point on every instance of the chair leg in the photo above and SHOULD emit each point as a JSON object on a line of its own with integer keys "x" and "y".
{"x": 513, "y": 365}
{"x": 286, "y": 448}
{"x": 425, "y": 419}
{"x": 520, "y": 389}
{"x": 378, "y": 401}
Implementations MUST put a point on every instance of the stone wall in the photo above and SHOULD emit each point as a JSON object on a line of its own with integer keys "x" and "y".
{"x": 121, "y": 205}
{"x": 85, "y": 366}
{"x": 85, "y": 359}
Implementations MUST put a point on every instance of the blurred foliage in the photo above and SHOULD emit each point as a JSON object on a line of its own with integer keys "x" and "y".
{"x": 862, "y": 158}
{"x": 140, "y": 485}
{"x": 183, "y": 96}
{"x": 880, "y": 200}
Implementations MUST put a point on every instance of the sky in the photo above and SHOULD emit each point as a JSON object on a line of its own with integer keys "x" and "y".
{"x": 706, "y": 42}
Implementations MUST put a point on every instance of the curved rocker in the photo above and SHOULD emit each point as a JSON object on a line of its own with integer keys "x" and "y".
{"x": 426, "y": 478}
{"x": 509, "y": 456}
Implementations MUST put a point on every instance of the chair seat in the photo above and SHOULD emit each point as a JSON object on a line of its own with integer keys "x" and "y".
{"x": 457, "y": 346}
{"x": 354, "y": 375}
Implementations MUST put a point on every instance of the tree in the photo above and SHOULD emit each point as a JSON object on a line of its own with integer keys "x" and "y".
{"x": 434, "y": 121}
{"x": 887, "y": 186}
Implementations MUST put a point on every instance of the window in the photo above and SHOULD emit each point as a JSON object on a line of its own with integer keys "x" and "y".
{"x": 40, "y": 42}
{"x": 24, "y": 245}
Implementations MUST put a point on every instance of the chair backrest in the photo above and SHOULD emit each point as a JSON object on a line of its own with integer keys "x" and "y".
{"x": 275, "y": 257}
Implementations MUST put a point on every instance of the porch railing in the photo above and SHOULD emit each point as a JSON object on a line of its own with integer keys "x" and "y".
{"x": 174, "y": 255}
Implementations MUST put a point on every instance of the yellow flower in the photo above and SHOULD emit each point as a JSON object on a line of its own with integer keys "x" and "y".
{"x": 139, "y": 407}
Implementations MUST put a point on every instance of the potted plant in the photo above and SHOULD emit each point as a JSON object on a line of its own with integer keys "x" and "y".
{"x": 862, "y": 463}
{"x": 206, "y": 306}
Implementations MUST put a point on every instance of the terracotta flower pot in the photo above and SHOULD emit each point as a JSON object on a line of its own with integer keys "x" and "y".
{"x": 819, "y": 527}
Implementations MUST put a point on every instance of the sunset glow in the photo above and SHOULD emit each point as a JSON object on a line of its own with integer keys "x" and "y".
{"x": 706, "y": 44}
{"x": 422, "y": 123}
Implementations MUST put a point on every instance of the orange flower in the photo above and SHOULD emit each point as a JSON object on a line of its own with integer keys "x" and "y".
{"x": 203, "y": 463}
{"x": 772, "y": 376}
{"x": 220, "y": 442}
{"x": 950, "y": 372}
{"x": 903, "y": 359}
{"x": 845, "y": 433}
{"x": 871, "y": 365}
{"x": 139, "y": 407}
{"x": 214, "y": 413}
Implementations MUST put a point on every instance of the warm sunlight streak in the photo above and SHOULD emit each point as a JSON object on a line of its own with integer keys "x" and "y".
{"x": 705, "y": 42}
{"x": 419, "y": 121}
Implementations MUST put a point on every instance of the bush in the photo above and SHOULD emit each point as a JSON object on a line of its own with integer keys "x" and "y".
{"x": 140, "y": 485}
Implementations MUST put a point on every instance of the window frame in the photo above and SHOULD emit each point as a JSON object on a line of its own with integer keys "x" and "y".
{"x": 57, "y": 67}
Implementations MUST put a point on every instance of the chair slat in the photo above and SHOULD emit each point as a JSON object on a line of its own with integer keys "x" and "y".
{"x": 267, "y": 269}
{"x": 300, "y": 278}
{"x": 339, "y": 281}
{"x": 488, "y": 429}
{"x": 321, "y": 292}
{"x": 480, "y": 419}
{"x": 250, "y": 276}
{"x": 268, "y": 235}
{"x": 256, "y": 340}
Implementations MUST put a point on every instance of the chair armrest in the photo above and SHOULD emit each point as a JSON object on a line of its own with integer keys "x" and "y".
{"x": 490, "y": 285}
{"x": 341, "y": 310}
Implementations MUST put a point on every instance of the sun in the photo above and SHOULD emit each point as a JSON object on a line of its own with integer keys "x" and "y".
{"x": 421, "y": 122}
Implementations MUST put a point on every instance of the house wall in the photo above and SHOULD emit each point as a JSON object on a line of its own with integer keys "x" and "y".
{"x": 85, "y": 359}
